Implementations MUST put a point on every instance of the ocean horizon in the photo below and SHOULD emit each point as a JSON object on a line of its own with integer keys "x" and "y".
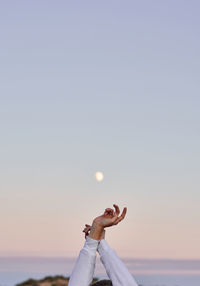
{"x": 147, "y": 272}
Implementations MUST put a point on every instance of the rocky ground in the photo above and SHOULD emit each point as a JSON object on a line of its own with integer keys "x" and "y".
{"x": 48, "y": 281}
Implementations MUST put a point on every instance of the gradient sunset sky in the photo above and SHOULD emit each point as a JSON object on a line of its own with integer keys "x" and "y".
{"x": 110, "y": 86}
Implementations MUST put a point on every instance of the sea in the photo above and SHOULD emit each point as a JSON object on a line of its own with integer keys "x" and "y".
{"x": 147, "y": 272}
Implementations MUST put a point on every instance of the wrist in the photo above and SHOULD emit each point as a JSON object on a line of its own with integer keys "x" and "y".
{"x": 96, "y": 231}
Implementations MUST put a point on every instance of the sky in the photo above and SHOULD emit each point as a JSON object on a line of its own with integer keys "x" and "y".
{"x": 109, "y": 86}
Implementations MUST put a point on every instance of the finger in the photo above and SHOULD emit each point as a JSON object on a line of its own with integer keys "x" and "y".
{"x": 122, "y": 216}
{"x": 86, "y": 233}
{"x": 86, "y": 229}
{"x": 117, "y": 210}
{"x": 124, "y": 213}
{"x": 87, "y": 226}
{"x": 108, "y": 209}
{"x": 109, "y": 212}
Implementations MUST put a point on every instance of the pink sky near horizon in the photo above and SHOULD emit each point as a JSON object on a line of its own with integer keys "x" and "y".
{"x": 58, "y": 230}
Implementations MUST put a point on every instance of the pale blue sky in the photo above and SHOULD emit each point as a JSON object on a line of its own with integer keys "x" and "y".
{"x": 100, "y": 85}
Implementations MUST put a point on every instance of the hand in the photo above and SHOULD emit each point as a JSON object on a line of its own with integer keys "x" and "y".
{"x": 110, "y": 217}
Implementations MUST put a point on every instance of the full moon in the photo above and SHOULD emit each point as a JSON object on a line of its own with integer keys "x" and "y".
{"x": 99, "y": 176}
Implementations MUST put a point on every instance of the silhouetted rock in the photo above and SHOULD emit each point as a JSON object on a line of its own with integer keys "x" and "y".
{"x": 57, "y": 280}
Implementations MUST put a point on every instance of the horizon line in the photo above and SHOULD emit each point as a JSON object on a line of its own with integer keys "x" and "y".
{"x": 122, "y": 257}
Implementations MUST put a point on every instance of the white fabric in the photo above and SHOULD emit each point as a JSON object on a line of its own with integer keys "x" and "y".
{"x": 83, "y": 272}
{"x": 115, "y": 268}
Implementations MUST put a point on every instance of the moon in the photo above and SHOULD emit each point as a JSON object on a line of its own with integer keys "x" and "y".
{"x": 99, "y": 176}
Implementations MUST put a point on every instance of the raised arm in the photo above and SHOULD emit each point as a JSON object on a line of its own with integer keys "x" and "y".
{"x": 115, "y": 268}
{"x": 83, "y": 272}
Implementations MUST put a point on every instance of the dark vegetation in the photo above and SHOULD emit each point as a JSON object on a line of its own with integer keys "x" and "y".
{"x": 57, "y": 280}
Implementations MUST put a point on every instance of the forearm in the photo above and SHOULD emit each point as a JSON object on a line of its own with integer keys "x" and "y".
{"x": 82, "y": 274}
{"x": 115, "y": 268}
